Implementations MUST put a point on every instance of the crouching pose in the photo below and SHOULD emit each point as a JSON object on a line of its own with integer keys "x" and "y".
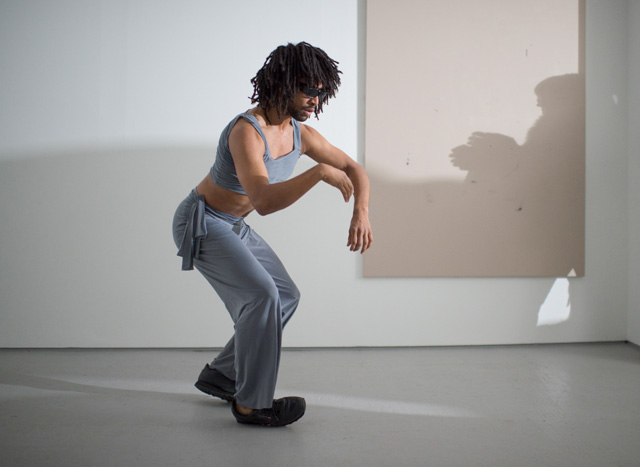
{"x": 256, "y": 156}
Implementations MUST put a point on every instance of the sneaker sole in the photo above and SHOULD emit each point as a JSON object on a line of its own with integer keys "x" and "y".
{"x": 269, "y": 424}
{"x": 245, "y": 421}
{"x": 214, "y": 391}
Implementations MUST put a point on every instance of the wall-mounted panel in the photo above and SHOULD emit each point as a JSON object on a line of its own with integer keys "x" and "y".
{"x": 475, "y": 137}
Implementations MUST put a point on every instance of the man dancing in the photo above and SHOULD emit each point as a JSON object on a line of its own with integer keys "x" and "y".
{"x": 256, "y": 155}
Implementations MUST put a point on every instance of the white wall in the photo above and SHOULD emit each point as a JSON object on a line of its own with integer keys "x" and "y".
{"x": 109, "y": 115}
{"x": 634, "y": 171}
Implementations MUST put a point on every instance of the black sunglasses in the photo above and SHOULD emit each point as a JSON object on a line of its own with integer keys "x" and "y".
{"x": 312, "y": 92}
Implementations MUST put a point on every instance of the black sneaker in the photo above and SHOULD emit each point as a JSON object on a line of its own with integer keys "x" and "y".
{"x": 216, "y": 384}
{"x": 283, "y": 412}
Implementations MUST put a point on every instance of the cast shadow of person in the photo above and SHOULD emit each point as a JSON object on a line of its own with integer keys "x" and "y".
{"x": 518, "y": 213}
{"x": 532, "y": 196}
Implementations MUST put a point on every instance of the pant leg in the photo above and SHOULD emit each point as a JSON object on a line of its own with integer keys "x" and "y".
{"x": 253, "y": 301}
{"x": 287, "y": 291}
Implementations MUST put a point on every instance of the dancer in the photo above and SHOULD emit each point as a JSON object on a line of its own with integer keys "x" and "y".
{"x": 256, "y": 155}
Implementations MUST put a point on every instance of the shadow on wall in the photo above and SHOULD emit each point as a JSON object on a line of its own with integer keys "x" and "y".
{"x": 519, "y": 211}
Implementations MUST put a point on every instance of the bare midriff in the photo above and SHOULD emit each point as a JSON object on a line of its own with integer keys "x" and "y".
{"x": 223, "y": 200}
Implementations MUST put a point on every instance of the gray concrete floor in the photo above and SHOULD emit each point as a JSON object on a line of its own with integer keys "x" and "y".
{"x": 552, "y": 405}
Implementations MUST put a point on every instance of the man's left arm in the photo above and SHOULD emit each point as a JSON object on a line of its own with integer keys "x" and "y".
{"x": 320, "y": 150}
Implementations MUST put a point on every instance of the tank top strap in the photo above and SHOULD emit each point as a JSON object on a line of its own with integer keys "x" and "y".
{"x": 297, "y": 136}
{"x": 254, "y": 123}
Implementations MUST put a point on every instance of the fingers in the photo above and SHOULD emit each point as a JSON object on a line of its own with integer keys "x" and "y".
{"x": 347, "y": 192}
{"x": 351, "y": 241}
{"x": 347, "y": 189}
{"x": 340, "y": 180}
{"x": 363, "y": 245}
{"x": 359, "y": 239}
{"x": 367, "y": 239}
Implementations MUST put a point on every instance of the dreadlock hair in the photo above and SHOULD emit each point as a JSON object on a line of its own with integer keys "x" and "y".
{"x": 276, "y": 83}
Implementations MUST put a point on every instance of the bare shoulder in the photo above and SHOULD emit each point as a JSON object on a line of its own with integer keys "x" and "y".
{"x": 243, "y": 129}
{"x": 308, "y": 131}
{"x": 244, "y": 137}
{"x": 311, "y": 139}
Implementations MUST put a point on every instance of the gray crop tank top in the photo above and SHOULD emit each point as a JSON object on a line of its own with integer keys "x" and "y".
{"x": 223, "y": 171}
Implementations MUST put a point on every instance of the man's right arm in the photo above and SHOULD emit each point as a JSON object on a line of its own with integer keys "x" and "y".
{"x": 247, "y": 149}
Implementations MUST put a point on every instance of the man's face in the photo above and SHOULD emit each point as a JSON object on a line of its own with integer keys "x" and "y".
{"x": 305, "y": 102}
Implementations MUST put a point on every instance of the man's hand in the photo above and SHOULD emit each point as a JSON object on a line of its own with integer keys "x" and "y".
{"x": 337, "y": 178}
{"x": 360, "y": 236}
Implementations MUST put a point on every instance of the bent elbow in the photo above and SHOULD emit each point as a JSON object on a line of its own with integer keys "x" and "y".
{"x": 262, "y": 212}
{"x": 266, "y": 201}
{"x": 264, "y": 208}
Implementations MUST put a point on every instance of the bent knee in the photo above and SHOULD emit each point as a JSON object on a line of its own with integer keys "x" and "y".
{"x": 265, "y": 291}
{"x": 295, "y": 294}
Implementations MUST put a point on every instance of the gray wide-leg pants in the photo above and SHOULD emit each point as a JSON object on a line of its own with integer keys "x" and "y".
{"x": 254, "y": 286}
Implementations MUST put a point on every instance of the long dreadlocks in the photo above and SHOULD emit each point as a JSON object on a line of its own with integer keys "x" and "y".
{"x": 276, "y": 83}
